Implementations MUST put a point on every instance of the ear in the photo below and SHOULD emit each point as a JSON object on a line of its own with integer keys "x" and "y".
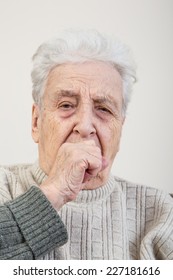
{"x": 35, "y": 122}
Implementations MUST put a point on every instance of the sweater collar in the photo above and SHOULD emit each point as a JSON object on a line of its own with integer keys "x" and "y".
{"x": 88, "y": 196}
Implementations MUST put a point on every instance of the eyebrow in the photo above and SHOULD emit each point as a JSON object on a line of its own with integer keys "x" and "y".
{"x": 97, "y": 99}
{"x": 105, "y": 99}
{"x": 66, "y": 93}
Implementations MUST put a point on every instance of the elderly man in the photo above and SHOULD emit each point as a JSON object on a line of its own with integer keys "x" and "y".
{"x": 68, "y": 205}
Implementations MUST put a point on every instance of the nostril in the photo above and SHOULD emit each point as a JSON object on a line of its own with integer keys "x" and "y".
{"x": 84, "y": 130}
{"x": 76, "y": 131}
{"x": 92, "y": 133}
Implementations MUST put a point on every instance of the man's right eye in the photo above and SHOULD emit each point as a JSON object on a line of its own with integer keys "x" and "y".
{"x": 66, "y": 106}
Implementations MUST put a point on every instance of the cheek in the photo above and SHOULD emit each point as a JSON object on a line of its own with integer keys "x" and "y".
{"x": 112, "y": 135}
{"x": 49, "y": 129}
{"x": 54, "y": 132}
{"x": 115, "y": 130}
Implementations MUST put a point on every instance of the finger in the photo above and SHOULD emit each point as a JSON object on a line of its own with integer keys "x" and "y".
{"x": 87, "y": 177}
{"x": 90, "y": 173}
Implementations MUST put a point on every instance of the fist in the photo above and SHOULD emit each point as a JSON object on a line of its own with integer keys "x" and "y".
{"x": 75, "y": 164}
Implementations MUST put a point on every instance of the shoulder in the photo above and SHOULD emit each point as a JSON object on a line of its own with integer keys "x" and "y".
{"x": 9, "y": 181}
{"x": 15, "y": 168}
{"x": 149, "y": 216}
{"x": 150, "y": 199}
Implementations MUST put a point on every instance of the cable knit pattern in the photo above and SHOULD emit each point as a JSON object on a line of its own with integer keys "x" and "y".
{"x": 120, "y": 220}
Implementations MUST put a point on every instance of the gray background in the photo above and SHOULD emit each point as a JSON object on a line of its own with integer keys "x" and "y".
{"x": 146, "y": 154}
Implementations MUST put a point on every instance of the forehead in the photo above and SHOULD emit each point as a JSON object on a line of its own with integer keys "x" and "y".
{"x": 96, "y": 77}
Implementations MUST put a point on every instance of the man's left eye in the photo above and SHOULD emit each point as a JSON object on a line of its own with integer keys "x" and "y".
{"x": 103, "y": 109}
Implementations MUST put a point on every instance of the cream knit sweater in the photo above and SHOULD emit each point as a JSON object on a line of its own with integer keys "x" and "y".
{"x": 120, "y": 220}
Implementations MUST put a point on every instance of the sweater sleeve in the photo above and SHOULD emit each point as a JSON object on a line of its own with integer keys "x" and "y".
{"x": 30, "y": 227}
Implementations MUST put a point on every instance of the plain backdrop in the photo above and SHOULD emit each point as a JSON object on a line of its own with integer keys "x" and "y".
{"x": 146, "y": 154}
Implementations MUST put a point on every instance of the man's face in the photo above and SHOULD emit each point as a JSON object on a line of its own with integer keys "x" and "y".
{"x": 81, "y": 102}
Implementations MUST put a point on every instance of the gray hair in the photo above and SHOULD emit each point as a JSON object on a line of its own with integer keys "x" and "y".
{"x": 81, "y": 46}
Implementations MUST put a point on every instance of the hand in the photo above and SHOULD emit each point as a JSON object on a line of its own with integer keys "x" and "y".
{"x": 75, "y": 164}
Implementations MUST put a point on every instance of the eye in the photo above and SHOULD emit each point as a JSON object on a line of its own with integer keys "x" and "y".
{"x": 66, "y": 106}
{"x": 104, "y": 109}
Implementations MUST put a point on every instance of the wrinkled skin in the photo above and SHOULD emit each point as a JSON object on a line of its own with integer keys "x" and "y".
{"x": 78, "y": 128}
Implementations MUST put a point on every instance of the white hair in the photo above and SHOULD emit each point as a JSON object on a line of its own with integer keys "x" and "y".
{"x": 81, "y": 46}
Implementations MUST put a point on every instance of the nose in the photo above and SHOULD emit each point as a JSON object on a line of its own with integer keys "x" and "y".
{"x": 84, "y": 125}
